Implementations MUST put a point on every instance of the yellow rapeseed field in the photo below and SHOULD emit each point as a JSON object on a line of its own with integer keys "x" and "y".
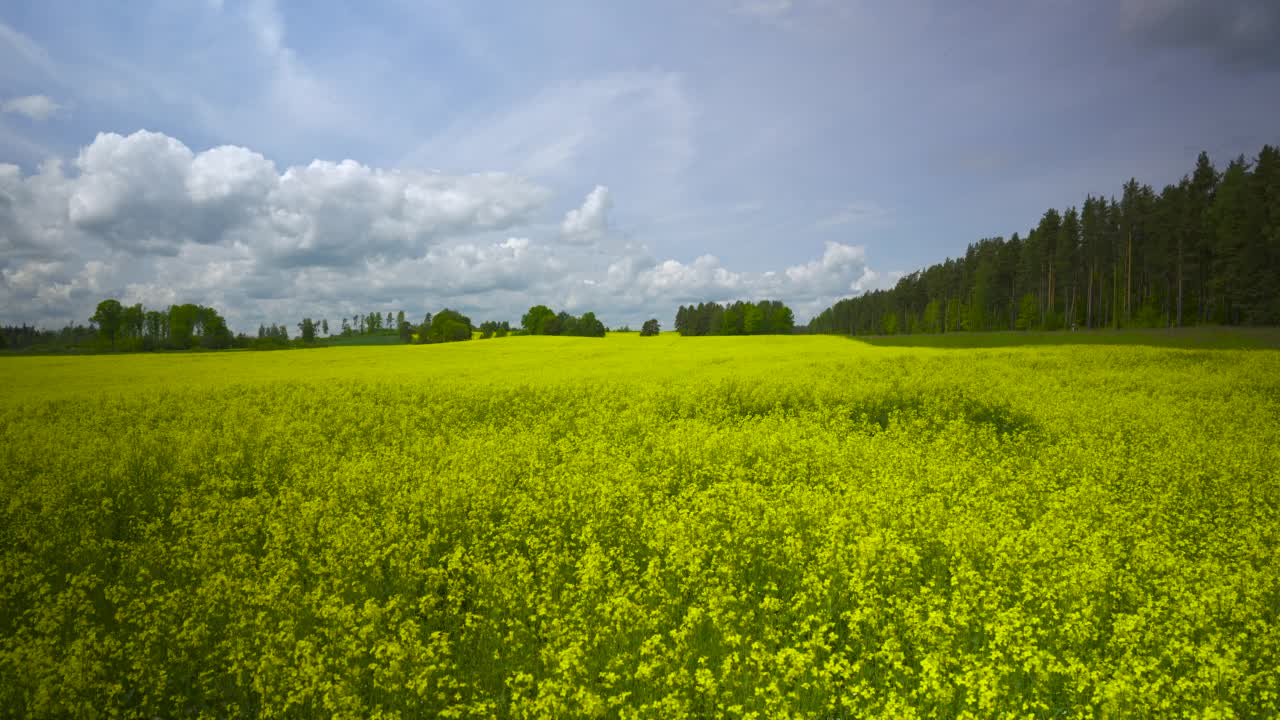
{"x": 535, "y": 527}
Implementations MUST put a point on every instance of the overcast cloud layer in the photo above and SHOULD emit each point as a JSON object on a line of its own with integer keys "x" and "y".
{"x": 278, "y": 161}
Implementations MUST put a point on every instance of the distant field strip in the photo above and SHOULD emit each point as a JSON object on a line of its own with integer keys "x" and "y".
{"x": 806, "y": 527}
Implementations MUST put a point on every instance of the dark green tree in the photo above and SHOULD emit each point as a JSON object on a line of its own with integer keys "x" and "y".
{"x": 449, "y": 326}
{"x": 752, "y": 319}
{"x": 589, "y": 326}
{"x": 535, "y": 322}
{"x": 307, "y": 330}
{"x": 109, "y": 317}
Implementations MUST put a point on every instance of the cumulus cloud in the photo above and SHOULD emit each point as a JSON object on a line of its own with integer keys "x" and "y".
{"x": 1236, "y": 32}
{"x": 146, "y": 219}
{"x": 333, "y": 213}
{"x": 842, "y": 269}
{"x": 148, "y": 193}
{"x": 589, "y": 223}
{"x": 224, "y": 221}
{"x": 468, "y": 269}
{"x": 638, "y": 281}
{"x": 33, "y": 222}
{"x": 34, "y": 107}
{"x": 702, "y": 278}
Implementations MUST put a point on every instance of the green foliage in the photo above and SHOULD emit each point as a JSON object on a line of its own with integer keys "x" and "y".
{"x": 448, "y": 326}
{"x": 193, "y": 326}
{"x": 650, "y": 328}
{"x": 752, "y": 320}
{"x": 1028, "y": 312}
{"x": 975, "y": 318}
{"x": 424, "y": 330}
{"x": 589, "y": 326}
{"x": 781, "y": 320}
{"x": 383, "y": 338}
{"x": 952, "y": 317}
{"x": 272, "y": 337}
{"x": 542, "y": 320}
{"x": 731, "y": 321}
{"x": 307, "y": 330}
{"x": 108, "y": 318}
{"x": 34, "y": 340}
{"x": 538, "y": 320}
{"x": 740, "y": 527}
{"x": 493, "y": 328}
{"x": 1203, "y": 337}
{"x": 767, "y": 317}
{"x": 890, "y": 324}
{"x": 932, "y": 320}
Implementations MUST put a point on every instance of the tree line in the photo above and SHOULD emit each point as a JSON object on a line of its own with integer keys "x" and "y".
{"x": 30, "y": 338}
{"x": 1204, "y": 250}
{"x": 134, "y": 328}
{"x": 767, "y": 317}
{"x": 542, "y": 320}
{"x": 118, "y": 328}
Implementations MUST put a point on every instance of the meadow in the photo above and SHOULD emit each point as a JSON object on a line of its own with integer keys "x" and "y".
{"x": 529, "y": 527}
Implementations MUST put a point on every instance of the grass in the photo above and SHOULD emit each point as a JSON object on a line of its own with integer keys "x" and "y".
{"x": 1213, "y": 337}
{"x": 384, "y": 337}
{"x": 643, "y": 528}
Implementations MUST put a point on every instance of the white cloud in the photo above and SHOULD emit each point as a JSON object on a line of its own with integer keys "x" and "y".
{"x": 704, "y": 277}
{"x": 33, "y": 221}
{"x": 841, "y": 269}
{"x": 148, "y": 193}
{"x": 589, "y": 223}
{"x": 34, "y": 107}
{"x": 337, "y": 212}
{"x": 146, "y": 219}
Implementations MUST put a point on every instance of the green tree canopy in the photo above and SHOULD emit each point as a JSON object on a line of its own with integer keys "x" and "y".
{"x": 109, "y": 317}
{"x": 762, "y": 318}
{"x": 535, "y": 321}
{"x": 449, "y": 326}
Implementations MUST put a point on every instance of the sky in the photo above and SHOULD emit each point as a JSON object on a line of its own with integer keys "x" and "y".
{"x": 279, "y": 159}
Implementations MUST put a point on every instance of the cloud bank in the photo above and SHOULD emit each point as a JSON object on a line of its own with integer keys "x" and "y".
{"x": 144, "y": 218}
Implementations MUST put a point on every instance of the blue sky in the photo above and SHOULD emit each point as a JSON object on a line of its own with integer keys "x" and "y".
{"x": 330, "y": 158}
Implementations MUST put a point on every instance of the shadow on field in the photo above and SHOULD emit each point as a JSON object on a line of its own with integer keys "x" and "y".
{"x": 1208, "y": 338}
{"x": 935, "y": 412}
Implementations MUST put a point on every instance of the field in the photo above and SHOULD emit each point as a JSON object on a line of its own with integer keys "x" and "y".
{"x": 1211, "y": 337}
{"x": 765, "y": 527}
{"x": 387, "y": 337}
